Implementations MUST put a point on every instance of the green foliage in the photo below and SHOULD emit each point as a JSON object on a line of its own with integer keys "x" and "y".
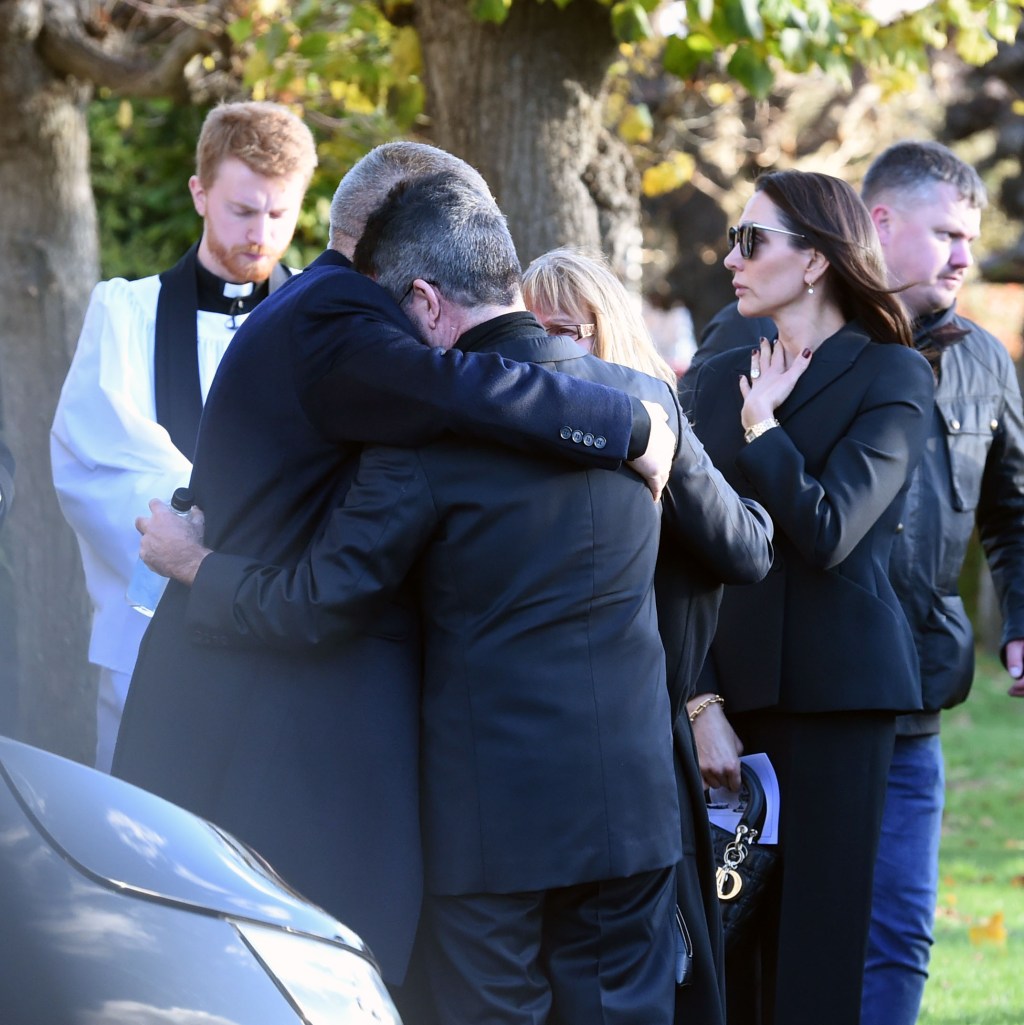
{"x": 142, "y": 157}
{"x": 358, "y": 71}
{"x": 495, "y": 11}
{"x": 353, "y": 68}
{"x": 354, "y": 73}
{"x": 684, "y": 54}
{"x": 630, "y": 21}
{"x": 345, "y": 66}
{"x": 143, "y": 154}
{"x": 753, "y": 39}
{"x": 346, "y": 54}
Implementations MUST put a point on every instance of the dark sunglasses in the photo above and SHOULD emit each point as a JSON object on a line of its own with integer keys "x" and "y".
{"x": 745, "y": 236}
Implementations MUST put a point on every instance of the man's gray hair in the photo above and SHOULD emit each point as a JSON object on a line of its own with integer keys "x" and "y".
{"x": 441, "y": 229}
{"x": 915, "y": 166}
{"x": 368, "y": 182}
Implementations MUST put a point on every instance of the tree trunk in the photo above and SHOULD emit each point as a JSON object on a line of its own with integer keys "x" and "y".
{"x": 48, "y": 264}
{"x": 522, "y": 102}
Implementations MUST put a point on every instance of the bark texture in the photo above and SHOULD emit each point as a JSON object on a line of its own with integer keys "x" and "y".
{"x": 51, "y": 55}
{"x": 48, "y": 263}
{"x": 522, "y": 102}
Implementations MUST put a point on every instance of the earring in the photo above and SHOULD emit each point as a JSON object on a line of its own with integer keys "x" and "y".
{"x": 810, "y": 289}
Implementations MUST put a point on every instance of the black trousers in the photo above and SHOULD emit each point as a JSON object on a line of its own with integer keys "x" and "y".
{"x": 578, "y": 955}
{"x": 805, "y": 964}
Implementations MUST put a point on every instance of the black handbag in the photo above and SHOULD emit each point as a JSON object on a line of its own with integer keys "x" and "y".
{"x": 743, "y": 868}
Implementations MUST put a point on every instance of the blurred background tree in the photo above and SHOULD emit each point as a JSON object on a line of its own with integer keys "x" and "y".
{"x": 580, "y": 113}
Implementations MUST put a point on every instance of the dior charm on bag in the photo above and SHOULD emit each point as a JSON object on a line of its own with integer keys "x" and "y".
{"x": 743, "y": 867}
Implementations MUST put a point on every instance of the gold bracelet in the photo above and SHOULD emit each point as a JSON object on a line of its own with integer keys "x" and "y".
{"x": 755, "y": 431}
{"x": 715, "y": 699}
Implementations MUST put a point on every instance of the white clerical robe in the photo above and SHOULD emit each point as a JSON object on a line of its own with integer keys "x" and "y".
{"x": 110, "y": 456}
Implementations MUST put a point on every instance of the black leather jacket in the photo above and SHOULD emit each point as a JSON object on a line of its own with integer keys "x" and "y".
{"x": 971, "y": 474}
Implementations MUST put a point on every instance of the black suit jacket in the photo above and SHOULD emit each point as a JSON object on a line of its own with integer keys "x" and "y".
{"x": 824, "y": 631}
{"x": 311, "y": 756}
{"x": 535, "y": 587}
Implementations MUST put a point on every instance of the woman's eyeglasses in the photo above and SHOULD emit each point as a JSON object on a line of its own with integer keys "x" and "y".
{"x": 577, "y": 332}
{"x": 745, "y": 235}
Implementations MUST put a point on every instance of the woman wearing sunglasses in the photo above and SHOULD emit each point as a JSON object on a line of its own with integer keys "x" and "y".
{"x": 822, "y": 425}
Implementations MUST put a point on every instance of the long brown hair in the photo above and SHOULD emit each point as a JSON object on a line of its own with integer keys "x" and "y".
{"x": 831, "y": 217}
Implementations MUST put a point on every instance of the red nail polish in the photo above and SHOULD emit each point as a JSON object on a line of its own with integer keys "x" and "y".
{"x": 807, "y": 353}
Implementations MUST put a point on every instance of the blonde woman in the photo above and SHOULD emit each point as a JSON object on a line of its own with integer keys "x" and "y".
{"x": 573, "y": 293}
{"x": 710, "y": 536}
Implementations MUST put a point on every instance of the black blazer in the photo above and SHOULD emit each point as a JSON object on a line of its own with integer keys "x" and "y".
{"x": 312, "y": 756}
{"x": 824, "y": 631}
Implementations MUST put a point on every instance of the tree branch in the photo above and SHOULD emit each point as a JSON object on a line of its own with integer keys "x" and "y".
{"x": 129, "y": 69}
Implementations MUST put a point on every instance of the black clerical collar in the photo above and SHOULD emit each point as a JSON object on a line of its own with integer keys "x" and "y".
{"x": 216, "y": 295}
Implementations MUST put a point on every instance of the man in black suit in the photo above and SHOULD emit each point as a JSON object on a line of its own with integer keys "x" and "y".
{"x": 311, "y": 755}
{"x": 549, "y": 802}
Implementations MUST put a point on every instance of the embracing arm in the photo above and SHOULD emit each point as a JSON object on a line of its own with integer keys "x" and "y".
{"x": 381, "y": 386}
{"x": 350, "y": 578}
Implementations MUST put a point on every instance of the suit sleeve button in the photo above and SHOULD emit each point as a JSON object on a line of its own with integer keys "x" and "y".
{"x": 577, "y": 436}
{"x": 588, "y": 440}
{"x": 566, "y": 433}
{"x": 600, "y": 442}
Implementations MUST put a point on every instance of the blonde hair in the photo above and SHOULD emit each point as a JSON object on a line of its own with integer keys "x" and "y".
{"x": 573, "y": 279}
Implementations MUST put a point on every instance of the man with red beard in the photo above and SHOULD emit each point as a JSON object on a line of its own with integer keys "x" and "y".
{"x": 128, "y": 415}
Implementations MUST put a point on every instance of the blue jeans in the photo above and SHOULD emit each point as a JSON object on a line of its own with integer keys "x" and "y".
{"x": 906, "y": 884}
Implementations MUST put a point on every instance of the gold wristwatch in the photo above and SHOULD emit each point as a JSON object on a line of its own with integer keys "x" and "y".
{"x": 761, "y": 427}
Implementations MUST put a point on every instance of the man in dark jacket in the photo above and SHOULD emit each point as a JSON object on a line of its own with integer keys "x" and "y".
{"x": 550, "y": 809}
{"x": 311, "y": 755}
{"x": 926, "y": 204}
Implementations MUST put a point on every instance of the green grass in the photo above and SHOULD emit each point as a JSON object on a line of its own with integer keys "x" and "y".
{"x": 979, "y": 979}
